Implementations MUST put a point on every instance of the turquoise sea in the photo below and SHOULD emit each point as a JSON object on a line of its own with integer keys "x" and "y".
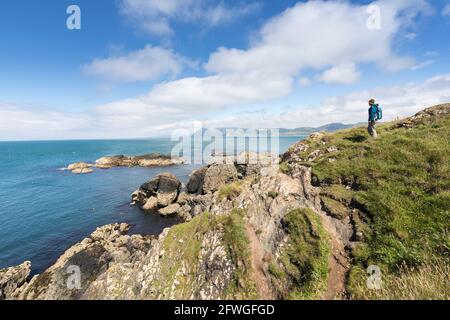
{"x": 44, "y": 211}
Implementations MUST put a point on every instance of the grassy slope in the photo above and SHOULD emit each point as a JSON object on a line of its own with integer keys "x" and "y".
{"x": 400, "y": 184}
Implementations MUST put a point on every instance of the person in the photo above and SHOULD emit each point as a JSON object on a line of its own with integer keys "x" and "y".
{"x": 374, "y": 116}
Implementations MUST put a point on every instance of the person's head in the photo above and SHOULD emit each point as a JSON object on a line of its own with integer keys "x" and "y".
{"x": 371, "y": 102}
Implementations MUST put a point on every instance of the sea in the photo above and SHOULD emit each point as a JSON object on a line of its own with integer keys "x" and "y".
{"x": 44, "y": 210}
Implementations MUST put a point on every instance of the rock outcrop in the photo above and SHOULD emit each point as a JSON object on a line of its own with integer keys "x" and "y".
{"x": 80, "y": 168}
{"x": 162, "y": 193}
{"x": 149, "y": 160}
{"x": 425, "y": 116}
{"x": 158, "y": 193}
{"x": 72, "y": 274}
{"x": 12, "y": 279}
{"x": 218, "y": 175}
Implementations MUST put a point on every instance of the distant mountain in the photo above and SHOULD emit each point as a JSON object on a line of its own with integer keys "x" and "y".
{"x": 308, "y": 130}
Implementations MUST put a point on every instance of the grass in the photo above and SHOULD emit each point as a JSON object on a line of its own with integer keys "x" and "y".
{"x": 334, "y": 208}
{"x": 237, "y": 244}
{"x": 230, "y": 191}
{"x": 401, "y": 185}
{"x": 304, "y": 261}
{"x": 427, "y": 282}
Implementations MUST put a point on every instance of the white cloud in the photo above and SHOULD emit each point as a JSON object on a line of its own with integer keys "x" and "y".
{"x": 313, "y": 35}
{"x": 422, "y": 65}
{"x": 149, "y": 63}
{"x": 446, "y": 10}
{"x": 316, "y": 34}
{"x": 24, "y": 122}
{"x": 219, "y": 14}
{"x": 113, "y": 121}
{"x": 345, "y": 73}
{"x": 155, "y": 16}
{"x": 397, "y": 101}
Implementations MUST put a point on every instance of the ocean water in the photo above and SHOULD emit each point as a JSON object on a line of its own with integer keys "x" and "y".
{"x": 44, "y": 211}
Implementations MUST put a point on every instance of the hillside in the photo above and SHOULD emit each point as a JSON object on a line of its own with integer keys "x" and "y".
{"x": 395, "y": 192}
{"x": 304, "y": 131}
{"x": 306, "y": 229}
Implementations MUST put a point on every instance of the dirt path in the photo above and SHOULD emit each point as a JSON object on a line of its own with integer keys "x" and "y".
{"x": 338, "y": 263}
{"x": 257, "y": 256}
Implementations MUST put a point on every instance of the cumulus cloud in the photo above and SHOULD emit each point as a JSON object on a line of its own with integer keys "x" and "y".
{"x": 397, "y": 101}
{"x": 149, "y": 63}
{"x": 317, "y": 34}
{"x": 330, "y": 37}
{"x": 155, "y": 16}
{"x": 345, "y": 73}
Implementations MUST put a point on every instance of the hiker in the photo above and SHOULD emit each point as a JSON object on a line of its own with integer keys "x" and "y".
{"x": 375, "y": 114}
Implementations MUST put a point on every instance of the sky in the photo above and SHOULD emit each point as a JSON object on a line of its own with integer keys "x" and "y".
{"x": 143, "y": 68}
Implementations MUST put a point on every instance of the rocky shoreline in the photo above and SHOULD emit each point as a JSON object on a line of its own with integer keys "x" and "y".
{"x": 114, "y": 265}
{"x": 146, "y": 161}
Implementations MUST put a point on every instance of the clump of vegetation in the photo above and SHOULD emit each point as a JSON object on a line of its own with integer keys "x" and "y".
{"x": 401, "y": 184}
{"x": 272, "y": 194}
{"x": 337, "y": 192}
{"x": 334, "y": 208}
{"x": 275, "y": 271}
{"x": 305, "y": 259}
{"x": 284, "y": 167}
{"x": 230, "y": 191}
{"x": 237, "y": 244}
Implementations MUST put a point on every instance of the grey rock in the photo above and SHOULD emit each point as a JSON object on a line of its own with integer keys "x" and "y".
{"x": 218, "y": 175}
{"x": 159, "y": 192}
{"x": 195, "y": 184}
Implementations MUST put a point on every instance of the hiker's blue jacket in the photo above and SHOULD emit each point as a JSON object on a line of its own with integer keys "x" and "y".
{"x": 373, "y": 112}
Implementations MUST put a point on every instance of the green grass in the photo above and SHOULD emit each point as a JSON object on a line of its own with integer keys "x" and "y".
{"x": 304, "y": 262}
{"x": 334, "y": 208}
{"x": 237, "y": 244}
{"x": 401, "y": 185}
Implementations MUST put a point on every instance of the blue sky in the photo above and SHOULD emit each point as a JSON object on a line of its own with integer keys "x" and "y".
{"x": 140, "y": 68}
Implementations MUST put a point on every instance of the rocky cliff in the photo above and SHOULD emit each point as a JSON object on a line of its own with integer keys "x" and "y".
{"x": 305, "y": 228}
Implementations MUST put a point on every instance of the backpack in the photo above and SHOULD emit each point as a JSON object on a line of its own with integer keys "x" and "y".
{"x": 379, "y": 112}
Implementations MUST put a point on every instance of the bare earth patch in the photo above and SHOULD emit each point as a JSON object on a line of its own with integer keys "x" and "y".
{"x": 258, "y": 274}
